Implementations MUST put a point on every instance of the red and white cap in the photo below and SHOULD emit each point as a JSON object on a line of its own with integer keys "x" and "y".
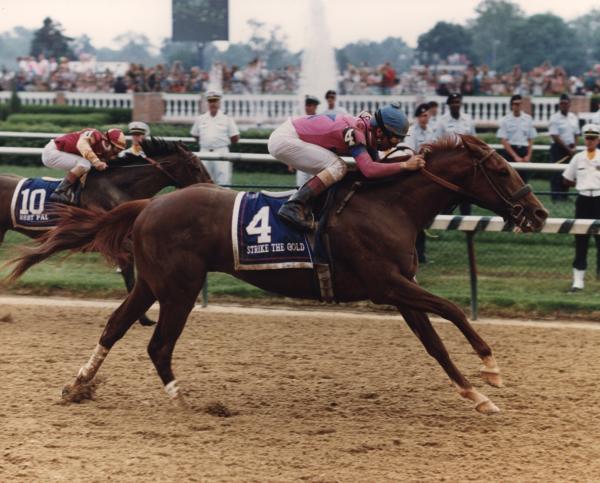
{"x": 116, "y": 137}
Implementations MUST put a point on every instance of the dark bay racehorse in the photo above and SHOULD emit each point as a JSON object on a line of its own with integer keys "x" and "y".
{"x": 127, "y": 179}
{"x": 181, "y": 236}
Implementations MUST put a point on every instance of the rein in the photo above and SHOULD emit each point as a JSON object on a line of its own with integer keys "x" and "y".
{"x": 154, "y": 163}
{"x": 511, "y": 200}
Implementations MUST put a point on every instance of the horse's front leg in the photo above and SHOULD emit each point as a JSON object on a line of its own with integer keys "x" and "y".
{"x": 422, "y": 328}
{"x": 407, "y": 293}
{"x": 128, "y": 273}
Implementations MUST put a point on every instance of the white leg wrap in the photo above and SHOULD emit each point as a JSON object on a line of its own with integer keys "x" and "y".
{"x": 88, "y": 371}
{"x": 171, "y": 389}
{"x": 578, "y": 278}
{"x": 490, "y": 365}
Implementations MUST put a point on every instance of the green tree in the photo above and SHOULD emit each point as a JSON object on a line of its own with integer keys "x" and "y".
{"x": 269, "y": 44}
{"x": 491, "y": 30}
{"x": 443, "y": 40}
{"x": 50, "y": 41}
{"x": 545, "y": 37}
{"x": 184, "y": 52}
{"x": 83, "y": 45}
{"x": 392, "y": 49}
{"x": 587, "y": 28}
{"x": 13, "y": 44}
{"x": 132, "y": 47}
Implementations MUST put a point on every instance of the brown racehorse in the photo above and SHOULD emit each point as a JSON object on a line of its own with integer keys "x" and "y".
{"x": 181, "y": 236}
{"x": 127, "y": 179}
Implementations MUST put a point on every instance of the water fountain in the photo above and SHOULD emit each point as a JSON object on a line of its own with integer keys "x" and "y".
{"x": 319, "y": 72}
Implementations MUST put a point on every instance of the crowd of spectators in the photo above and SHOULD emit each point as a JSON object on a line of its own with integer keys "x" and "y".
{"x": 43, "y": 74}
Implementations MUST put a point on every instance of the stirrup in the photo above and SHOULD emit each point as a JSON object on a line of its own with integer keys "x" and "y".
{"x": 63, "y": 197}
{"x": 299, "y": 223}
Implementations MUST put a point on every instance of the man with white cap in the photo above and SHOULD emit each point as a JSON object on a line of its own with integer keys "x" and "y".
{"x": 583, "y": 172}
{"x": 138, "y": 131}
{"x": 215, "y": 131}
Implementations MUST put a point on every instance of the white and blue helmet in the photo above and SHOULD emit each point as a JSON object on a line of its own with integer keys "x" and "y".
{"x": 391, "y": 120}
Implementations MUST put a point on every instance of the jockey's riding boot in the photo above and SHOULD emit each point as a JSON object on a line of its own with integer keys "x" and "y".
{"x": 297, "y": 210}
{"x": 64, "y": 191}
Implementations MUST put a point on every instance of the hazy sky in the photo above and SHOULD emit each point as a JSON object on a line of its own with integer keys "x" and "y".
{"x": 349, "y": 20}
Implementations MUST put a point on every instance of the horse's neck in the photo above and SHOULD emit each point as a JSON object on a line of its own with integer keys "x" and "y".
{"x": 126, "y": 183}
{"x": 417, "y": 196}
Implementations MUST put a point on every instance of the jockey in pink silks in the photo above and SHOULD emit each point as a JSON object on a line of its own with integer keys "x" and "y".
{"x": 314, "y": 144}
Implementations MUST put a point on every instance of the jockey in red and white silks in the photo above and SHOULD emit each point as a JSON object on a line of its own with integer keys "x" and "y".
{"x": 314, "y": 144}
{"x": 76, "y": 152}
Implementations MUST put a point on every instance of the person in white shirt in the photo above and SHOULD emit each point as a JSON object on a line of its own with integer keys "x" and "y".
{"x": 456, "y": 122}
{"x": 564, "y": 130}
{"x": 433, "y": 114}
{"x": 583, "y": 172}
{"x": 215, "y": 131}
{"x": 516, "y": 133}
{"x": 138, "y": 131}
{"x": 332, "y": 109}
{"x": 420, "y": 132}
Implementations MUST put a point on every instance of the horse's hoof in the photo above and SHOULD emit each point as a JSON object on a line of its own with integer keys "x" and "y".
{"x": 146, "y": 322}
{"x": 180, "y": 402}
{"x": 487, "y": 407}
{"x": 78, "y": 392}
{"x": 492, "y": 378}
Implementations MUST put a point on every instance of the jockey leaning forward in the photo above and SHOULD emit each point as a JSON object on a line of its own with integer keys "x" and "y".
{"x": 314, "y": 144}
{"x": 77, "y": 152}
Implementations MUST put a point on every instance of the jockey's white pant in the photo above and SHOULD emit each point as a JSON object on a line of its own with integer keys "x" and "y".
{"x": 287, "y": 147}
{"x": 302, "y": 177}
{"x": 54, "y": 158}
{"x": 221, "y": 172}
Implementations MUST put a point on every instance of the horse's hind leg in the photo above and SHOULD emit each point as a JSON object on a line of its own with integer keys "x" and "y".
{"x": 422, "y": 328}
{"x": 410, "y": 295}
{"x": 136, "y": 304}
{"x": 128, "y": 273}
{"x": 176, "y": 303}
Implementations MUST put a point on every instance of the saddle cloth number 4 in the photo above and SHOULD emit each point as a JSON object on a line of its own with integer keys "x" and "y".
{"x": 260, "y": 226}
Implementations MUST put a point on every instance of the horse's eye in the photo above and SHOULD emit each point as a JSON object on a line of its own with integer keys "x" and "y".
{"x": 504, "y": 172}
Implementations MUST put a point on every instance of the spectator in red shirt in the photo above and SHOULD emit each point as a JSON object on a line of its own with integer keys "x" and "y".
{"x": 388, "y": 78}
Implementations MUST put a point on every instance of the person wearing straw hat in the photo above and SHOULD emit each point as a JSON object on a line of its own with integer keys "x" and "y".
{"x": 583, "y": 172}
{"x": 215, "y": 131}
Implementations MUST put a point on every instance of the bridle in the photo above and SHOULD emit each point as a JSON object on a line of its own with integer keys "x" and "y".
{"x": 510, "y": 200}
{"x": 159, "y": 166}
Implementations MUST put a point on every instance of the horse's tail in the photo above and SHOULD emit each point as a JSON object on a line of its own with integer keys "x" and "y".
{"x": 84, "y": 230}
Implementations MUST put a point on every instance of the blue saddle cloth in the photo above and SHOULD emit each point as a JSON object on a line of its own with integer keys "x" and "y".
{"x": 261, "y": 240}
{"x": 31, "y": 207}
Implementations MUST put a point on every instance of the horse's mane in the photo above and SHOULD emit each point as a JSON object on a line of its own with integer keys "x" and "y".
{"x": 450, "y": 142}
{"x": 152, "y": 147}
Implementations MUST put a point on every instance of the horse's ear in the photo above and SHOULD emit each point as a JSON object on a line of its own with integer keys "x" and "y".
{"x": 470, "y": 143}
{"x": 181, "y": 148}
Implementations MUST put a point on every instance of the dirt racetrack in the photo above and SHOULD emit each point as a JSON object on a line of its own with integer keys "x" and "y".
{"x": 314, "y": 397}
